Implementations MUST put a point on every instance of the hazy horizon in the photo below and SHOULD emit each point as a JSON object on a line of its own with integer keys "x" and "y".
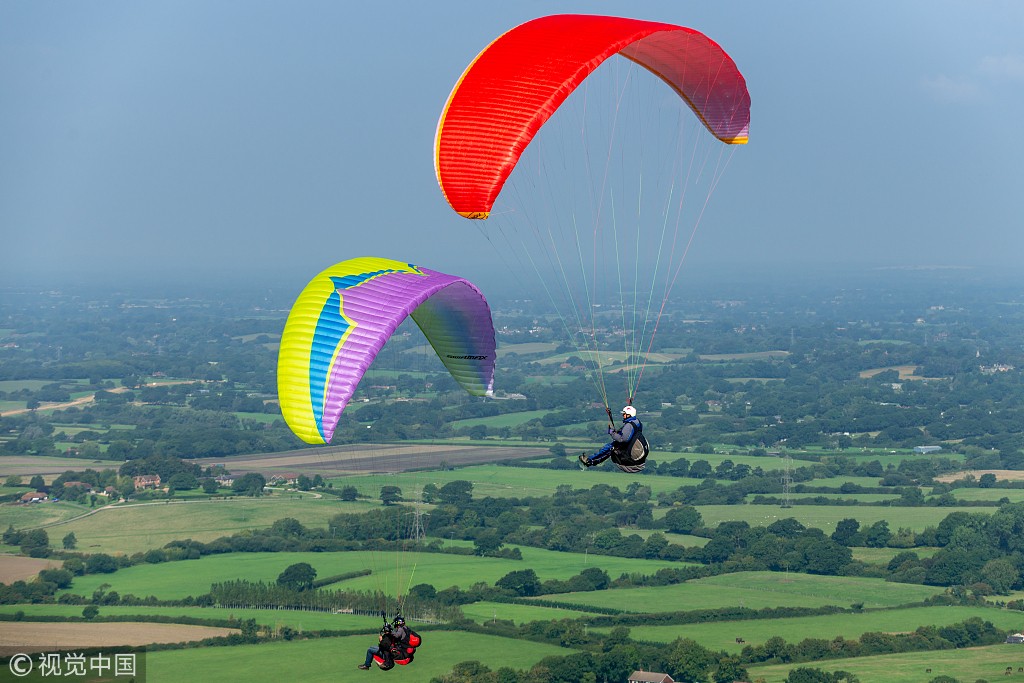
{"x": 189, "y": 141}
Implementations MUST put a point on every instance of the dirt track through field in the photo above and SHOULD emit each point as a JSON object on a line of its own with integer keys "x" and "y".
{"x": 34, "y": 636}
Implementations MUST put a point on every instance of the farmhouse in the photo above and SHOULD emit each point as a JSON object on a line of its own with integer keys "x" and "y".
{"x": 993, "y": 369}
{"x": 146, "y": 481}
{"x": 34, "y": 497}
{"x": 649, "y": 677}
{"x": 1016, "y": 638}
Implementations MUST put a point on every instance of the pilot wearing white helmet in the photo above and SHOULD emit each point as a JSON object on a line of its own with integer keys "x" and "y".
{"x": 628, "y": 448}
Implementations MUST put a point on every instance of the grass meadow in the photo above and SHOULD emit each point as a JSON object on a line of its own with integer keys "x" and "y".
{"x": 143, "y": 526}
{"x": 722, "y": 635}
{"x": 839, "y": 481}
{"x": 685, "y": 540}
{"x": 37, "y": 514}
{"x": 526, "y": 348}
{"x": 497, "y": 421}
{"x": 765, "y": 462}
{"x": 393, "y": 572}
{"x": 482, "y": 612}
{"x": 825, "y": 517}
{"x": 262, "y": 418}
{"x": 303, "y": 621}
{"x": 893, "y": 457}
{"x": 968, "y": 665}
{"x": 993, "y": 494}
{"x": 859, "y": 497}
{"x": 9, "y": 385}
{"x": 499, "y": 481}
{"x": 329, "y": 660}
{"x": 755, "y": 590}
{"x": 72, "y": 429}
{"x": 883, "y": 555}
{"x": 26, "y": 466}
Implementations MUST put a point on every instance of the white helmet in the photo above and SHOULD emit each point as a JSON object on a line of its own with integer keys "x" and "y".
{"x": 629, "y": 410}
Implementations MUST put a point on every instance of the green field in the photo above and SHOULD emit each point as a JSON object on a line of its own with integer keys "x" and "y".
{"x": 527, "y": 348}
{"x": 685, "y": 540}
{"x": 549, "y": 379}
{"x": 825, "y": 517}
{"x": 895, "y": 458}
{"x": 501, "y": 482}
{"x": 836, "y": 482}
{"x": 394, "y": 572}
{"x": 506, "y": 420}
{"x": 755, "y": 590}
{"x": 766, "y": 463}
{"x": 482, "y": 612}
{"x": 993, "y": 494}
{"x": 329, "y": 660}
{"x": 262, "y": 418}
{"x": 967, "y": 665}
{"x": 72, "y": 429}
{"x": 28, "y": 465}
{"x": 860, "y": 497}
{"x": 722, "y": 635}
{"x": 37, "y": 514}
{"x": 9, "y": 385}
{"x": 883, "y": 555}
{"x": 141, "y": 526}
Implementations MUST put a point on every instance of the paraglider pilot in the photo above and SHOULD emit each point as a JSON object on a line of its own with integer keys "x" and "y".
{"x": 396, "y": 644}
{"x": 628, "y": 448}
{"x": 385, "y": 642}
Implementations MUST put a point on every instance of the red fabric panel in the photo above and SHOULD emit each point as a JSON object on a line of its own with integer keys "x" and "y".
{"x": 514, "y": 86}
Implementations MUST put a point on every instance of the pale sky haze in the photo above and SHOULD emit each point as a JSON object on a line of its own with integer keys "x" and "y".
{"x": 189, "y": 138}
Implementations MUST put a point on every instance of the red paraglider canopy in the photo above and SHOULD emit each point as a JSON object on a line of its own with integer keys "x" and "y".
{"x": 517, "y": 82}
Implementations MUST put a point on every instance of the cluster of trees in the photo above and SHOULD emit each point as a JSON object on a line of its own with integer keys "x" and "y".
{"x": 34, "y": 542}
{"x": 969, "y": 633}
{"x": 612, "y": 658}
{"x": 983, "y": 551}
{"x": 39, "y": 590}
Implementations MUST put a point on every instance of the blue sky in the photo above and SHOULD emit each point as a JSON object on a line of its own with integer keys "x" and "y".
{"x": 186, "y": 139}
